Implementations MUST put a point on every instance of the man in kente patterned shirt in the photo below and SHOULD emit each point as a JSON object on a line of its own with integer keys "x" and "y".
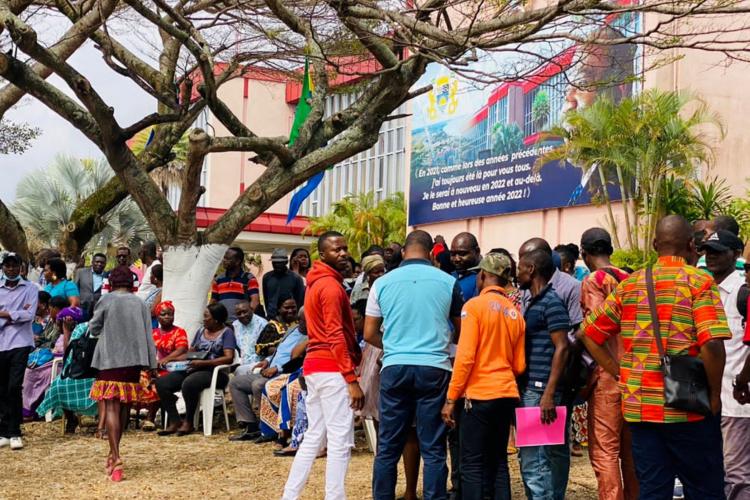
{"x": 667, "y": 442}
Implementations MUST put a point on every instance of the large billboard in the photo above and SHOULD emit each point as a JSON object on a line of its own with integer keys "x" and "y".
{"x": 474, "y": 148}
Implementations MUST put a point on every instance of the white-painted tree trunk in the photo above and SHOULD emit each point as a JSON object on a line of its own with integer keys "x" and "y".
{"x": 188, "y": 271}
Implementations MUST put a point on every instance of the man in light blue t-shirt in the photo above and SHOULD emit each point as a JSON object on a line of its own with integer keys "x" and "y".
{"x": 415, "y": 304}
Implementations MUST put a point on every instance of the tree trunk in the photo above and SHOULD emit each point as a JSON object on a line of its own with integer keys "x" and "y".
{"x": 605, "y": 193}
{"x": 625, "y": 203}
{"x": 188, "y": 271}
{"x": 12, "y": 236}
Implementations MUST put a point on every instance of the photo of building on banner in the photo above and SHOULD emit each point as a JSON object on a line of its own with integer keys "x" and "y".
{"x": 475, "y": 147}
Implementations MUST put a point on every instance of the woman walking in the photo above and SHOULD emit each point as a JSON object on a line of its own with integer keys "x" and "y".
{"x": 123, "y": 324}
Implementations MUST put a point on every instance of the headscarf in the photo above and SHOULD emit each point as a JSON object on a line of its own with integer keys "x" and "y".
{"x": 371, "y": 262}
{"x": 163, "y": 305}
{"x": 75, "y": 313}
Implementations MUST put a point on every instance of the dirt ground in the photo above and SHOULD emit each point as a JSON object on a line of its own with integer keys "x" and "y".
{"x": 54, "y": 466}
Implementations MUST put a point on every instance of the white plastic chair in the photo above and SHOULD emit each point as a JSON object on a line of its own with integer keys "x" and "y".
{"x": 210, "y": 396}
{"x": 53, "y": 374}
{"x": 371, "y": 434}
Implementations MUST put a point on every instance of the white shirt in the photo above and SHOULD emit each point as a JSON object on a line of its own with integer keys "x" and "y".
{"x": 247, "y": 336}
{"x": 736, "y": 351}
{"x": 146, "y": 287}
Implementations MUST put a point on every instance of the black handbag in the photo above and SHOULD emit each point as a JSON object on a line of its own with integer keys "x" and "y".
{"x": 197, "y": 355}
{"x": 685, "y": 381}
{"x": 79, "y": 355}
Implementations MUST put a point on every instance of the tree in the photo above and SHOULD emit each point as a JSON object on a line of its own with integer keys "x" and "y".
{"x": 364, "y": 222}
{"x": 15, "y": 138}
{"x": 46, "y": 200}
{"x": 193, "y": 47}
{"x": 646, "y": 141}
{"x": 507, "y": 138}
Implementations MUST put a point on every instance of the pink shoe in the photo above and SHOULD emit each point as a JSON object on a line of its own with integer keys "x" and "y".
{"x": 118, "y": 472}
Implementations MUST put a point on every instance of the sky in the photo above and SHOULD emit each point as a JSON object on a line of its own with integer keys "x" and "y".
{"x": 58, "y": 136}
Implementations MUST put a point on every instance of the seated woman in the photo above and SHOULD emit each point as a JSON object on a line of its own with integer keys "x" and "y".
{"x": 218, "y": 344}
{"x": 171, "y": 345}
{"x": 274, "y": 346}
{"x": 58, "y": 285}
{"x": 69, "y": 396}
{"x": 50, "y": 344}
{"x": 279, "y": 399}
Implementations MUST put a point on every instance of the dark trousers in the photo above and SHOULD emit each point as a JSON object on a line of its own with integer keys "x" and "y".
{"x": 692, "y": 451}
{"x": 454, "y": 449}
{"x": 191, "y": 384}
{"x": 408, "y": 392}
{"x": 12, "y": 371}
{"x": 484, "y": 431}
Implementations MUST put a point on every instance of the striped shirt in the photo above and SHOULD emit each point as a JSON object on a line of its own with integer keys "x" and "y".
{"x": 544, "y": 314}
{"x": 690, "y": 314}
{"x": 230, "y": 291}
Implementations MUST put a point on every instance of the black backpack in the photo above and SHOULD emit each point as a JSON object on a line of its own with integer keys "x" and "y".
{"x": 78, "y": 357}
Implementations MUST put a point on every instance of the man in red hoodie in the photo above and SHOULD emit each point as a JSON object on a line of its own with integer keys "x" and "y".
{"x": 333, "y": 393}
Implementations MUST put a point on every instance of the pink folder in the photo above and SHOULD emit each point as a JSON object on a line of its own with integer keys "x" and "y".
{"x": 530, "y": 431}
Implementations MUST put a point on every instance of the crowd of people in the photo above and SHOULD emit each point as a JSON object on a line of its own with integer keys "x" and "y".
{"x": 436, "y": 344}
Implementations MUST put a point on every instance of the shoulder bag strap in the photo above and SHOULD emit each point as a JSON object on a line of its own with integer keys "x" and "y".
{"x": 652, "y": 305}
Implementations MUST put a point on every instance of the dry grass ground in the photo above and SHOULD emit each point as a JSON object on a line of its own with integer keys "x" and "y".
{"x": 52, "y": 466}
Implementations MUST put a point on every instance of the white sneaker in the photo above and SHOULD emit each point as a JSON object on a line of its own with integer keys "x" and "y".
{"x": 16, "y": 443}
{"x": 4, "y": 442}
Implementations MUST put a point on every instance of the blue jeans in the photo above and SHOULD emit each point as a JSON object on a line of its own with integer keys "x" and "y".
{"x": 544, "y": 469}
{"x": 407, "y": 392}
{"x": 692, "y": 451}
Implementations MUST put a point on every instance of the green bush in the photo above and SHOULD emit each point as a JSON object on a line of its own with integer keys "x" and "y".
{"x": 634, "y": 259}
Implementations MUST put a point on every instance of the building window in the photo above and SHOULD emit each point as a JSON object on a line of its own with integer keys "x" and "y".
{"x": 379, "y": 170}
{"x": 529, "y": 127}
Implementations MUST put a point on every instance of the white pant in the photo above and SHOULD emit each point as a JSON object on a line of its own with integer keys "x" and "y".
{"x": 328, "y": 415}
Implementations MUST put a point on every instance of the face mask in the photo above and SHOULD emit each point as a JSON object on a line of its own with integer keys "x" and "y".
{"x": 13, "y": 280}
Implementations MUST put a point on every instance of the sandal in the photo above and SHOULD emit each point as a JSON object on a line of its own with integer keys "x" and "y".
{"x": 118, "y": 472}
{"x": 148, "y": 426}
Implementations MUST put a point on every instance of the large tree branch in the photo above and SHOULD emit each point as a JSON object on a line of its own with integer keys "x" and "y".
{"x": 191, "y": 189}
{"x": 26, "y": 39}
{"x": 71, "y": 41}
{"x": 23, "y": 77}
{"x": 258, "y": 145}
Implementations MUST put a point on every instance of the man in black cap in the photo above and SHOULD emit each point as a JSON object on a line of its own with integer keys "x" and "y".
{"x": 18, "y": 301}
{"x": 722, "y": 249}
{"x": 281, "y": 281}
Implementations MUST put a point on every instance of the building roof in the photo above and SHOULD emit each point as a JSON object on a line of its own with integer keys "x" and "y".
{"x": 265, "y": 223}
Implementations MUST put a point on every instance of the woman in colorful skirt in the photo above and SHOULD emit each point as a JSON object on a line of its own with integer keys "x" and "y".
{"x": 122, "y": 322}
{"x": 171, "y": 345}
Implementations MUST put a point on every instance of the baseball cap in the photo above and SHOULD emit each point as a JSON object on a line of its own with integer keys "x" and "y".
{"x": 10, "y": 256}
{"x": 722, "y": 241}
{"x": 595, "y": 236}
{"x": 494, "y": 263}
{"x": 279, "y": 255}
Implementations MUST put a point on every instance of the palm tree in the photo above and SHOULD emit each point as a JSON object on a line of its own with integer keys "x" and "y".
{"x": 507, "y": 138}
{"x": 642, "y": 141}
{"x": 364, "y": 222}
{"x": 46, "y": 199}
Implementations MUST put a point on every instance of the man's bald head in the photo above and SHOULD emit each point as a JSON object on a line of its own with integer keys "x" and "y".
{"x": 534, "y": 244}
{"x": 675, "y": 237}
